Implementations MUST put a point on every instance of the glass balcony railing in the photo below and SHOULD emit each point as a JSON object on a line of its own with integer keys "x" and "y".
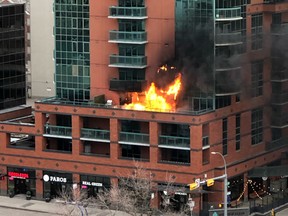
{"x": 128, "y": 61}
{"x": 279, "y": 98}
{"x": 279, "y": 29}
{"x": 134, "y": 137}
{"x": 128, "y": 37}
{"x": 173, "y": 141}
{"x": 274, "y": 144}
{"x": 279, "y": 120}
{"x": 128, "y": 85}
{"x": 228, "y": 13}
{"x": 128, "y": 12}
{"x": 90, "y": 133}
{"x": 279, "y": 76}
{"x": 228, "y": 38}
{"x": 58, "y": 130}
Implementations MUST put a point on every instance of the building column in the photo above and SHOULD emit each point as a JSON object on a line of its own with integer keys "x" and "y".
{"x": 40, "y": 121}
{"x": 196, "y": 147}
{"x": 245, "y": 179}
{"x": 76, "y": 179}
{"x": 40, "y": 144}
{"x": 4, "y": 141}
{"x": 39, "y": 184}
{"x": 114, "y": 138}
{"x": 153, "y": 139}
{"x": 77, "y": 124}
{"x": 3, "y": 183}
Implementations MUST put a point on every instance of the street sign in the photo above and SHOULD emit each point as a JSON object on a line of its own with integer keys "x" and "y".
{"x": 197, "y": 181}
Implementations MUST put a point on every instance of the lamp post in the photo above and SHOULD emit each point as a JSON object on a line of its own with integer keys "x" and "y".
{"x": 225, "y": 182}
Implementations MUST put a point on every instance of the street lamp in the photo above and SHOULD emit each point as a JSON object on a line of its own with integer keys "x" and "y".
{"x": 225, "y": 182}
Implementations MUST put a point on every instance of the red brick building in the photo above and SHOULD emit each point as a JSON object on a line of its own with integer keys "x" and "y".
{"x": 85, "y": 134}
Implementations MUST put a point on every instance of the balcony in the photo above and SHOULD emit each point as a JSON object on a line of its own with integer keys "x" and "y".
{"x": 128, "y": 85}
{"x": 279, "y": 98}
{"x": 280, "y": 76}
{"x": 274, "y": 144}
{"x": 57, "y": 131}
{"x": 95, "y": 134}
{"x": 138, "y": 62}
{"x": 227, "y": 81}
{"x": 279, "y": 120}
{"x": 137, "y": 138}
{"x": 128, "y": 37}
{"x": 116, "y": 12}
{"x": 226, "y": 39}
{"x": 228, "y": 14}
{"x": 174, "y": 142}
{"x": 279, "y": 29}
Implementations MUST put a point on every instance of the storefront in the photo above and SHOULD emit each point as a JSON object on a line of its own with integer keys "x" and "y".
{"x": 175, "y": 196}
{"x": 94, "y": 184}
{"x": 56, "y": 183}
{"x": 21, "y": 180}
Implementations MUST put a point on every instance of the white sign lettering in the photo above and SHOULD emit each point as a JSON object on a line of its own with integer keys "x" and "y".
{"x": 95, "y": 184}
{"x": 47, "y": 178}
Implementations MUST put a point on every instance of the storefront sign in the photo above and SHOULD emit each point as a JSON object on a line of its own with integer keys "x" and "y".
{"x": 47, "y": 178}
{"x": 95, "y": 184}
{"x": 18, "y": 175}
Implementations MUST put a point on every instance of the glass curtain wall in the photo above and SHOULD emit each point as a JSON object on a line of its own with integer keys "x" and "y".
{"x": 72, "y": 56}
{"x": 195, "y": 50}
{"x": 12, "y": 56}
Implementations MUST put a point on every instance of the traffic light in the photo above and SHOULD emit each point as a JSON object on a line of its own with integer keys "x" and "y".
{"x": 193, "y": 186}
{"x": 210, "y": 182}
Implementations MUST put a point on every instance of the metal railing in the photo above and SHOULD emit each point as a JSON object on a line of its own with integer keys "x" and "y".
{"x": 279, "y": 29}
{"x": 115, "y": 11}
{"x": 279, "y": 98}
{"x": 271, "y": 202}
{"x": 173, "y": 141}
{"x": 228, "y": 38}
{"x": 95, "y": 134}
{"x": 228, "y": 13}
{"x": 58, "y": 130}
{"x": 134, "y": 137}
{"x": 274, "y": 144}
{"x": 128, "y": 61}
{"x": 134, "y": 37}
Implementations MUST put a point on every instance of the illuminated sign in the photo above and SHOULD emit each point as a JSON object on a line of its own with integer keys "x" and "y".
{"x": 95, "y": 184}
{"x": 47, "y": 178}
{"x": 18, "y": 175}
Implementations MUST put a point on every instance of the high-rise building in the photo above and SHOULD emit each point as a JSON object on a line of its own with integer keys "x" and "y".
{"x": 12, "y": 62}
{"x": 164, "y": 83}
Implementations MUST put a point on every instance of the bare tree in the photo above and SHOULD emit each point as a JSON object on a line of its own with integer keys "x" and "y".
{"x": 74, "y": 201}
{"x": 133, "y": 195}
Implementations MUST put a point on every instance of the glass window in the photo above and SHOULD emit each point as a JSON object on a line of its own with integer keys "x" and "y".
{"x": 256, "y": 126}
{"x": 257, "y": 78}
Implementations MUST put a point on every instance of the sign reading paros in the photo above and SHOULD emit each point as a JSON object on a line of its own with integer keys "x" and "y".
{"x": 48, "y": 178}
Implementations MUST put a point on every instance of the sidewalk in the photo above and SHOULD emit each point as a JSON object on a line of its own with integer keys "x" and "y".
{"x": 52, "y": 208}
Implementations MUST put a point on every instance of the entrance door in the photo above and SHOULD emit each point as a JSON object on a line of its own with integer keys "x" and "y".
{"x": 20, "y": 186}
{"x": 56, "y": 189}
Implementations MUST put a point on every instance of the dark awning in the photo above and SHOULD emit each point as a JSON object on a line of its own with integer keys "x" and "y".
{"x": 269, "y": 171}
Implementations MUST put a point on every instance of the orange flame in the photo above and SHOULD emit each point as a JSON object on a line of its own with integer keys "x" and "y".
{"x": 157, "y": 99}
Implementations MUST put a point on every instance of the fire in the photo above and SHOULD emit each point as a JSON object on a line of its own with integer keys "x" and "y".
{"x": 165, "y": 68}
{"x": 157, "y": 99}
